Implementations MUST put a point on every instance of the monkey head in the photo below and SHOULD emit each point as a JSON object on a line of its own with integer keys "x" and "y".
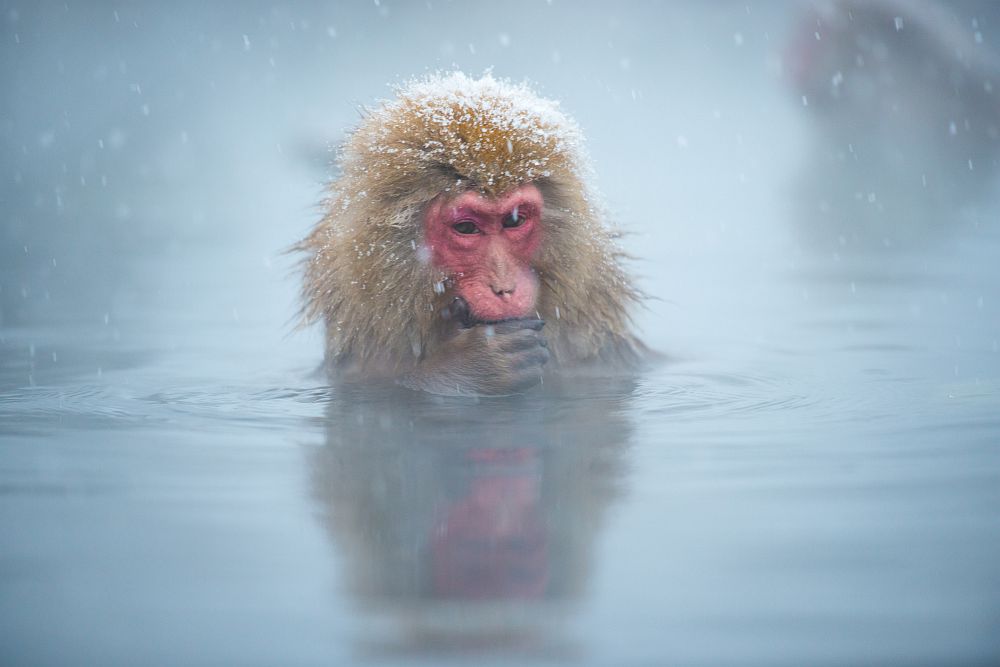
{"x": 471, "y": 192}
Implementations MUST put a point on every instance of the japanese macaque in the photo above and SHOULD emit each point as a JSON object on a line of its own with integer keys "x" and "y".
{"x": 461, "y": 249}
{"x": 904, "y": 100}
{"x": 899, "y": 68}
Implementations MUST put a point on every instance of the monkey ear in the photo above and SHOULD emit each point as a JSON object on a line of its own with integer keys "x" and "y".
{"x": 458, "y": 312}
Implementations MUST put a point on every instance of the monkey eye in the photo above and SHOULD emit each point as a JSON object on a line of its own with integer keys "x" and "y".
{"x": 515, "y": 219}
{"x": 465, "y": 227}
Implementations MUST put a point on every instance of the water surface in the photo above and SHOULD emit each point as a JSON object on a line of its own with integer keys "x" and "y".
{"x": 811, "y": 476}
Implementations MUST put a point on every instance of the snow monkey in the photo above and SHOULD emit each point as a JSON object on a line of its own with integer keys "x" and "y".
{"x": 907, "y": 88}
{"x": 460, "y": 225}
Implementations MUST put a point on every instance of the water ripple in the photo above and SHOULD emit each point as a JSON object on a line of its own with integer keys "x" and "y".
{"x": 701, "y": 395}
{"x": 92, "y": 406}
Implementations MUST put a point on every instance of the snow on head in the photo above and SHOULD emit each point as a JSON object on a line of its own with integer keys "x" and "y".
{"x": 486, "y": 133}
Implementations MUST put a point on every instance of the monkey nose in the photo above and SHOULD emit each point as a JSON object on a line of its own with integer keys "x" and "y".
{"x": 503, "y": 292}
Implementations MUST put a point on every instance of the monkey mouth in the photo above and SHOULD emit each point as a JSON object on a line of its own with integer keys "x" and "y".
{"x": 475, "y": 321}
{"x": 459, "y": 311}
{"x": 480, "y": 304}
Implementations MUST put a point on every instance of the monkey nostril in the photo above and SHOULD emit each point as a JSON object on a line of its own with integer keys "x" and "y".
{"x": 502, "y": 292}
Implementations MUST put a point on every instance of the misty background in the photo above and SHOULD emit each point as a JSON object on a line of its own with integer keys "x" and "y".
{"x": 812, "y": 475}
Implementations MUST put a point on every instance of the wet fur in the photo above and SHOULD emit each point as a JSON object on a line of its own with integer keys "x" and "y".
{"x": 364, "y": 275}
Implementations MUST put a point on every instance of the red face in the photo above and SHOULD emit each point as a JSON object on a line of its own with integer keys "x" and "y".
{"x": 486, "y": 246}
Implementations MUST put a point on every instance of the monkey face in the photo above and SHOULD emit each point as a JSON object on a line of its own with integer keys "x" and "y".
{"x": 486, "y": 247}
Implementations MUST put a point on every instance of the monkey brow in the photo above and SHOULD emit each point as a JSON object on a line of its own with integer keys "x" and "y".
{"x": 489, "y": 209}
{"x": 525, "y": 208}
{"x": 459, "y": 212}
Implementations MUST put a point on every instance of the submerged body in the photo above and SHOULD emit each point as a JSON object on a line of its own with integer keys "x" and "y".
{"x": 462, "y": 251}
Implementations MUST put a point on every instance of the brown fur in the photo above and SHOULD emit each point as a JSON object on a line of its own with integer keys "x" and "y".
{"x": 366, "y": 274}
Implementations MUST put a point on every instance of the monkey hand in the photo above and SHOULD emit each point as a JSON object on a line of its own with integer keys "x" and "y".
{"x": 493, "y": 359}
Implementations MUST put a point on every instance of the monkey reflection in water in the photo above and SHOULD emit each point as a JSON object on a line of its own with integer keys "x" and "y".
{"x": 462, "y": 250}
{"x": 903, "y": 100}
{"x": 468, "y": 526}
